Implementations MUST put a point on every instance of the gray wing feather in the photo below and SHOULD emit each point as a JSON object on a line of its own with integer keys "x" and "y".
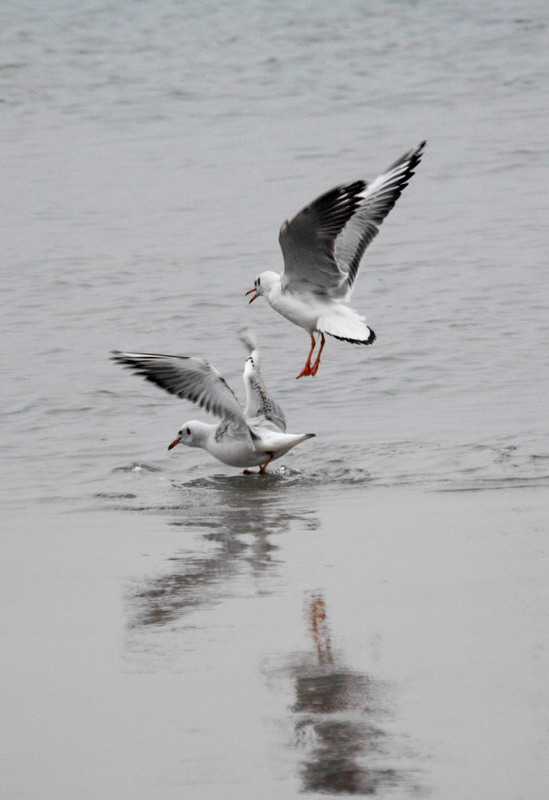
{"x": 187, "y": 377}
{"x": 261, "y": 408}
{"x": 307, "y": 242}
{"x": 323, "y": 245}
{"x": 376, "y": 202}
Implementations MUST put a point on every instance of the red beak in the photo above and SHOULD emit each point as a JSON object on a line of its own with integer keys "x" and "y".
{"x": 255, "y": 295}
{"x": 173, "y": 444}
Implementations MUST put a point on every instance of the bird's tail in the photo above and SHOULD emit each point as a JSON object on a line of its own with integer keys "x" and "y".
{"x": 297, "y": 438}
{"x": 344, "y": 323}
{"x": 282, "y": 442}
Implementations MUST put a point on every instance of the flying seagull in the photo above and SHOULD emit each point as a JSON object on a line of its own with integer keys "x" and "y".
{"x": 322, "y": 247}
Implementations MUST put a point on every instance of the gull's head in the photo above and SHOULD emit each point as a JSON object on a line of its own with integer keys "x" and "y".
{"x": 191, "y": 434}
{"x": 263, "y": 284}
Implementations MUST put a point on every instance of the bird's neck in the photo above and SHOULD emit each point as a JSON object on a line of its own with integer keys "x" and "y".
{"x": 272, "y": 293}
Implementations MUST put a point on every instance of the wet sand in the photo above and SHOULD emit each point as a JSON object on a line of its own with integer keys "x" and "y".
{"x": 388, "y": 643}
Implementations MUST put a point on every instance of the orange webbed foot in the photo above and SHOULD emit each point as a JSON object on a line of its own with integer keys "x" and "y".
{"x": 305, "y": 371}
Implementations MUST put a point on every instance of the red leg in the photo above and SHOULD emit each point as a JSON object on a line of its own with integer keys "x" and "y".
{"x": 307, "y": 368}
{"x": 316, "y": 365}
{"x": 264, "y": 466}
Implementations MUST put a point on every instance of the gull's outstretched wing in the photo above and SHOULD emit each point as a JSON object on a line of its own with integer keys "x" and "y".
{"x": 261, "y": 408}
{"x": 323, "y": 245}
{"x": 376, "y": 202}
{"x": 190, "y": 378}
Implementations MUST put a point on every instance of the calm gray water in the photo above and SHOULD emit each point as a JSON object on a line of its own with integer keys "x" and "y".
{"x": 150, "y": 153}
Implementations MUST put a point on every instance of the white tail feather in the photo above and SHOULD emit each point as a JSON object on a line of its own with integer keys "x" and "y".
{"x": 344, "y": 323}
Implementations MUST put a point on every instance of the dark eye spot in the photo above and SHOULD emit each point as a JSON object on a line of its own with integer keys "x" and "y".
{"x": 259, "y": 281}
{"x": 188, "y": 431}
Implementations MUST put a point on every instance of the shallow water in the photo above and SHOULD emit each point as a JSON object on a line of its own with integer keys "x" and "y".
{"x": 150, "y": 154}
{"x": 271, "y": 647}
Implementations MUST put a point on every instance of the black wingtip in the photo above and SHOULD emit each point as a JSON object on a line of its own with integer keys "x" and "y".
{"x": 121, "y": 358}
{"x": 419, "y": 150}
{"x": 414, "y": 157}
{"x": 370, "y": 340}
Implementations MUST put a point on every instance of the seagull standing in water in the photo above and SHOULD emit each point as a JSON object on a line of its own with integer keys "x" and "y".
{"x": 322, "y": 247}
{"x": 253, "y": 437}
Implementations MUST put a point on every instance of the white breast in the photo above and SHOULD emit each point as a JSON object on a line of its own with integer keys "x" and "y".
{"x": 303, "y": 309}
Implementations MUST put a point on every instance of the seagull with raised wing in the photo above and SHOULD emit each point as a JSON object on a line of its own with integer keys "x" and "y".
{"x": 322, "y": 248}
{"x": 253, "y": 437}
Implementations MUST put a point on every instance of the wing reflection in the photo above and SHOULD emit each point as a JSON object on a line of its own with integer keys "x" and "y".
{"x": 337, "y": 716}
{"x": 238, "y": 517}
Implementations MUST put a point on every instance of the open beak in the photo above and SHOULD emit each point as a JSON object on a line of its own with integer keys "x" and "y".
{"x": 173, "y": 444}
{"x": 255, "y": 295}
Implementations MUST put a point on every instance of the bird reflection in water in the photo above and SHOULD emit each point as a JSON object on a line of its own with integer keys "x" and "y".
{"x": 336, "y": 719}
{"x": 237, "y": 516}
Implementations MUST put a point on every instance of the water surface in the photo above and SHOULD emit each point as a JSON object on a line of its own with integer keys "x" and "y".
{"x": 368, "y": 618}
